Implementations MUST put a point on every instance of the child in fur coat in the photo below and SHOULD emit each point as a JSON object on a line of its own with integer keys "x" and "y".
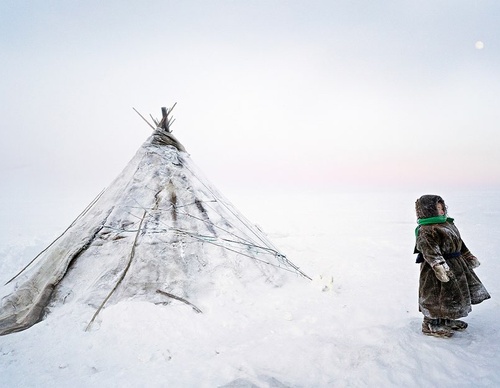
{"x": 448, "y": 285}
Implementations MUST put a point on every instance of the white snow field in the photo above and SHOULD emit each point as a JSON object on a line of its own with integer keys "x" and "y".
{"x": 355, "y": 325}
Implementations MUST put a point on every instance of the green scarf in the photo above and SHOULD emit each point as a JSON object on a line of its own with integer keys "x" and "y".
{"x": 432, "y": 220}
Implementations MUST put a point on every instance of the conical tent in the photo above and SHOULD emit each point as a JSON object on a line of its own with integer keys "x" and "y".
{"x": 160, "y": 232}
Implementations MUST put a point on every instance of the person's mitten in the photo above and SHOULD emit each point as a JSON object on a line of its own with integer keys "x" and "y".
{"x": 471, "y": 260}
{"x": 441, "y": 271}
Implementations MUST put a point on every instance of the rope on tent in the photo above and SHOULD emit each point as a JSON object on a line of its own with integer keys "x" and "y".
{"x": 244, "y": 242}
{"x": 262, "y": 240}
{"x": 277, "y": 255}
{"x": 242, "y": 219}
{"x": 270, "y": 248}
{"x": 121, "y": 230}
{"x": 212, "y": 240}
{"x": 89, "y": 206}
{"x": 245, "y": 222}
{"x": 212, "y": 224}
{"x": 206, "y": 238}
{"x": 224, "y": 240}
{"x": 194, "y": 203}
{"x": 124, "y": 273}
{"x": 216, "y": 226}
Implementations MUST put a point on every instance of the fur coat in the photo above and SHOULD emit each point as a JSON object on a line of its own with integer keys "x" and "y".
{"x": 453, "y": 299}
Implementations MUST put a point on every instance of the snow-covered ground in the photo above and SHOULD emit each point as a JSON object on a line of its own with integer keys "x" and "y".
{"x": 356, "y": 324}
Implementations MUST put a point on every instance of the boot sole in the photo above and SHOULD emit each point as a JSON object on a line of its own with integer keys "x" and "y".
{"x": 438, "y": 335}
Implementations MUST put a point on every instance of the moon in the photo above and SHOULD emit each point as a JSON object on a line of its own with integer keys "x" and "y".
{"x": 479, "y": 45}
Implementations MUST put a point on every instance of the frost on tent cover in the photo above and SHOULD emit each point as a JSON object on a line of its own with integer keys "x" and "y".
{"x": 159, "y": 233}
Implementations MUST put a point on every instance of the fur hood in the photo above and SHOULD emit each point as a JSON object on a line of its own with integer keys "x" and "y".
{"x": 425, "y": 206}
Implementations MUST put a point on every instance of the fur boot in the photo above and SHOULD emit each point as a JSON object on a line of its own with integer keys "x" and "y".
{"x": 434, "y": 328}
{"x": 454, "y": 324}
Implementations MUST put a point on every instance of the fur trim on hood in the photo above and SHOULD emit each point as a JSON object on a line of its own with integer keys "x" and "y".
{"x": 425, "y": 206}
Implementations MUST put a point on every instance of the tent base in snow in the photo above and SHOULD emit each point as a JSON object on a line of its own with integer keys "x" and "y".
{"x": 160, "y": 232}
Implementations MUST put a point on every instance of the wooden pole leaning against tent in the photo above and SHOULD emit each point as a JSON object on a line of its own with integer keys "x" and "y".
{"x": 161, "y": 233}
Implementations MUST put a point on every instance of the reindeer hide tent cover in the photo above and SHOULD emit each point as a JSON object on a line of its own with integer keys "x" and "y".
{"x": 159, "y": 232}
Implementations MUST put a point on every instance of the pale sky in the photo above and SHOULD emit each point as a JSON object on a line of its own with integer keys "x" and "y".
{"x": 272, "y": 93}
